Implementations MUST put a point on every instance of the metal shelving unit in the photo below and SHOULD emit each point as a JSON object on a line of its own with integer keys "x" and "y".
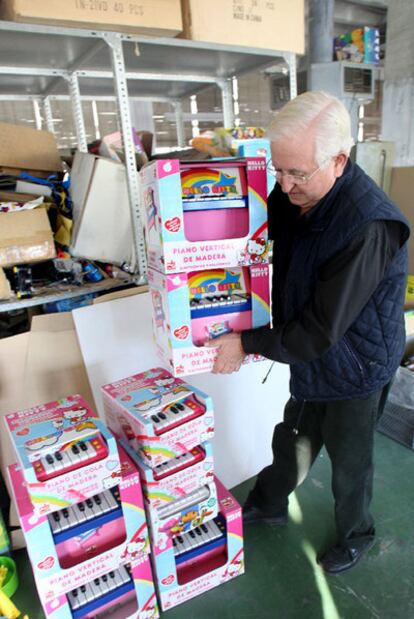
{"x": 44, "y": 62}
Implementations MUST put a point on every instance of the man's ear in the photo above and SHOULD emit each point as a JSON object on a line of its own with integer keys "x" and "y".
{"x": 340, "y": 163}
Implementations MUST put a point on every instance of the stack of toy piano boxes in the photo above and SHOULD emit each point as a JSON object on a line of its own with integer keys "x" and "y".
{"x": 196, "y": 531}
{"x": 81, "y": 509}
{"x": 206, "y": 235}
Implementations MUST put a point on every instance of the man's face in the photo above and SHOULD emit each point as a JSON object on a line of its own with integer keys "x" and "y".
{"x": 295, "y": 155}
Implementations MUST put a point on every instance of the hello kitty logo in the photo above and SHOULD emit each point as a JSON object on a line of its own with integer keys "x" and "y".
{"x": 256, "y": 250}
{"x": 75, "y": 415}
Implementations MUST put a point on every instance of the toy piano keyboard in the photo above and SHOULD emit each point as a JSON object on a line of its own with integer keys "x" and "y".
{"x": 96, "y": 598}
{"x": 201, "y": 550}
{"x": 220, "y": 302}
{"x": 176, "y": 414}
{"x": 70, "y": 456}
{"x": 179, "y": 463}
{"x": 88, "y": 528}
{"x": 214, "y": 201}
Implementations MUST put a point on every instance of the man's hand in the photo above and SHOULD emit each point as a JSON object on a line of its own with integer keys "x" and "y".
{"x": 230, "y": 353}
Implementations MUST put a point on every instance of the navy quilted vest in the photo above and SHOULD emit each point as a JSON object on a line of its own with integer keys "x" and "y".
{"x": 366, "y": 358}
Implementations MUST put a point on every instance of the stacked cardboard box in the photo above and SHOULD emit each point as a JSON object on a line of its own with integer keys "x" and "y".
{"x": 80, "y": 507}
{"x": 195, "y": 525}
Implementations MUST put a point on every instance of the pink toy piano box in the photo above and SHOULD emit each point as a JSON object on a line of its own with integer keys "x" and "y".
{"x": 201, "y": 215}
{"x": 159, "y": 416}
{"x": 177, "y": 477}
{"x": 69, "y": 548}
{"x": 188, "y": 309}
{"x": 65, "y": 452}
{"x": 181, "y": 515}
{"x": 210, "y": 555}
{"x": 123, "y": 593}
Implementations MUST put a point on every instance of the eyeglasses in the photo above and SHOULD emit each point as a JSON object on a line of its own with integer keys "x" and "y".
{"x": 298, "y": 178}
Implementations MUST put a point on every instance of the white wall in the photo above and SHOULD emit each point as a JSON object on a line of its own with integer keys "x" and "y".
{"x": 116, "y": 341}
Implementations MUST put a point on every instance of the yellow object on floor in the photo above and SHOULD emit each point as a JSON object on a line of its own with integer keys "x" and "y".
{"x": 7, "y": 608}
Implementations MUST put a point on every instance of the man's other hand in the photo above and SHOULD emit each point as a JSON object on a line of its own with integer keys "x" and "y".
{"x": 230, "y": 353}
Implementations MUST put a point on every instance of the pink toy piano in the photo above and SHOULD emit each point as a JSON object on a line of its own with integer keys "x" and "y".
{"x": 98, "y": 597}
{"x": 201, "y": 550}
{"x": 70, "y": 457}
{"x": 179, "y": 463}
{"x": 220, "y": 302}
{"x": 214, "y": 201}
{"x": 88, "y": 528}
{"x": 176, "y": 414}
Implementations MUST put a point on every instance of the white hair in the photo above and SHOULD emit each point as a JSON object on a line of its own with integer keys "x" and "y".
{"x": 321, "y": 111}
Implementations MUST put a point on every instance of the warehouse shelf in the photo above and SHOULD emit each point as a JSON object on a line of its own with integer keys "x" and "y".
{"x": 65, "y": 292}
{"x": 41, "y": 62}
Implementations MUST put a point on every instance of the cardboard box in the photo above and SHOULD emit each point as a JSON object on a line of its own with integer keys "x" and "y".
{"x": 277, "y": 24}
{"x": 401, "y": 192}
{"x": 200, "y": 215}
{"x": 38, "y": 366}
{"x": 24, "y": 148}
{"x": 47, "y": 428}
{"x": 131, "y": 547}
{"x": 151, "y": 17}
{"x": 177, "y": 582}
{"x": 131, "y": 403}
{"x": 181, "y": 325}
{"x": 25, "y": 236}
{"x": 102, "y": 227}
{"x": 5, "y": 290}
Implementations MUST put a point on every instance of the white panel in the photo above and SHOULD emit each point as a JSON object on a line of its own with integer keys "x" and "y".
{"x": 116, "y": 342}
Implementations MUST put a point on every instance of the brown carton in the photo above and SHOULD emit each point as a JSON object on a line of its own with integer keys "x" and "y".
{"x": 25, "y": 236}
{"x": 265, "y": 24}
{"x": 24, "y": 148}
{"x": 151, "y": 17}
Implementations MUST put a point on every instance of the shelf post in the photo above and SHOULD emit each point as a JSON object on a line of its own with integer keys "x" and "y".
{"x": 227, "y": 100}
{"x": 77, "y": 113}
{"x": 290, "y": 59}
{"x": 118, "y": 65}
{"x": 47, "y": 111}
{"x": 179, "y": 122}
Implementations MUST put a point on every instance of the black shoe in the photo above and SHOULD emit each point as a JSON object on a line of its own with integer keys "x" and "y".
{"x": 253, "y": 514}
{"x": 341, "y": 558}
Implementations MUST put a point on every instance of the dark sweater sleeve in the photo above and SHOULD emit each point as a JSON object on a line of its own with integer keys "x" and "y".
{"x": 344, "y": 286}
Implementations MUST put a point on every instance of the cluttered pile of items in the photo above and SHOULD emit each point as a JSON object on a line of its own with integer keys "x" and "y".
{"x": 64, "y": 225}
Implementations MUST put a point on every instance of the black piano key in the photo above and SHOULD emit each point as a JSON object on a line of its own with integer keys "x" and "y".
{"x": 49, "y": 459}
{"x": 82, "y": 588}
{"x": 198, "y": 531}
{"x": 81, "y": 507}
{"x": 155, "y": 418}
{"x": 83, "y": 447}
{"x": 180, "y": 406}
{"x": 111, "y": 574}
{"x": 56, "y": 516}
{"x": 58, "y": 455}
{"x": 75, "y": 449}
{"x": 98, "y": 500}
{"x": 174, "y": 410}
{"x": 65, "y": 513}
{"x": 204, "y": 528}
{"x": 191, "y": 534}
{"x": 96, "y": 581}
{"x": 89, "y": 503}
{"x": 162, "y": 416}
{"x": 104, "y": 577}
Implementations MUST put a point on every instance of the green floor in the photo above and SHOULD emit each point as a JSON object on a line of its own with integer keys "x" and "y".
{"x": 282, "y": 581}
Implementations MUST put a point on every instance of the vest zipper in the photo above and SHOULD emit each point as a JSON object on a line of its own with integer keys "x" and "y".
{"x": 354, "y": 357}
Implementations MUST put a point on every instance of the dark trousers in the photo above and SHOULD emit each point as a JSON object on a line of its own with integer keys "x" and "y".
{"x": 346, "y": 428}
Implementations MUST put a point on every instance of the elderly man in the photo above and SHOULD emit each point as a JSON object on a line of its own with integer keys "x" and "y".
{"x": 340, "y": 270}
